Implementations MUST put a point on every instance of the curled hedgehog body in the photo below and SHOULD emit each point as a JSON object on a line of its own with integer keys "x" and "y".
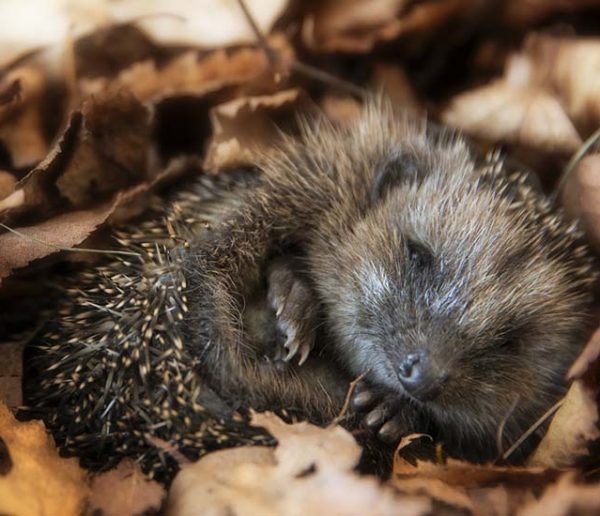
{"x": 375, "y": 249}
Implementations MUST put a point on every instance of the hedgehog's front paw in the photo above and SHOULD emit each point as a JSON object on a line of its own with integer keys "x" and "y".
{"x": 295, "y": 309}
{"x": 384, "y": 416}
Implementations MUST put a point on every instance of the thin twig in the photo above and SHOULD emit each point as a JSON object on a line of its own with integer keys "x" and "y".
{"x": 71, "y": 249}
{"x": 574, "y": 161}
{"x": 500, "y": 431}
{"x": 533, "y": 428}
{"x": 346, "y": 404}
{"x": 298, "y": 66}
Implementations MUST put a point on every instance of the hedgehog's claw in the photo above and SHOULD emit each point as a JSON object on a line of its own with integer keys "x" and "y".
{"x": 295, "y": 310}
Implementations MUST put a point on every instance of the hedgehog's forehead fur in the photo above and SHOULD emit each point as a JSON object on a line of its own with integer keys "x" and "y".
{"x": 466, "y": 263}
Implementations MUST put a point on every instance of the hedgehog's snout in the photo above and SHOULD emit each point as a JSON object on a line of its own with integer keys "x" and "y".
{"x": 420, "y": 376}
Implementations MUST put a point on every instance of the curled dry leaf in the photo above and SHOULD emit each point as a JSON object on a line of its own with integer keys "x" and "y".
{"x": 393, "y": 82}
{"x": 588, "y": 356}
{"x": 210, "y": 23}
{"x": 357, "y": 26}
{"x": 526, "y": 14}
{"x": 104, "y": 148}
{"x": 575, "y": 75}
{"x": 510, "y": 113}
{"x": 34, "y": 479}
{"x": 309, "y": 472}
{"x": 45, "y": 238}
{"x": 581, "y": 197}
{"x": 125, "y": 490}
{"x": 194, "y": 74}
{"x": 21, "y": 123}
{"x": 471, "y": 487}
{"x": 7, "y": 184}
{"x": 242, "y": 126}
{"x": 11, "y": 373}
{"x": 572, "y": 429}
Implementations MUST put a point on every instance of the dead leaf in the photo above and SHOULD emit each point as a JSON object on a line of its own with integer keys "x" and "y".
{"x": 471, "y": 487}
{"x": 581, "y": 199}
{"x": 105, "y": 148}
{"x": 34, "y": 478}
{"x": 125, "y": 490}
{"x": 526, "y": 14}
{"x": 342, "y": 110}
{"x": 21, "y": 123}
{"x": 310, "y": 472}
{"x": 209, "y": 24}
{"x": 393, "y": 82}
{"x": 501, "y": 112}
{"x": 572, "y": 429}
{"x": 564, "y": 497}
{"x": 244, "y": 125}
{"x": 588, "y": 356}
{"x": 575, "y": 75}
{"x": 7, "y": 184}
{"x": 11, "y": 373}
{"x": 357, "y": 26}
{"x": 192, "y": 73}
{"x": 65, "y": 230}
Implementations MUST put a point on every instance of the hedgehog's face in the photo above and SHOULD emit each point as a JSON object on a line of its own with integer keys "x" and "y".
{"x": 457, "y": 299}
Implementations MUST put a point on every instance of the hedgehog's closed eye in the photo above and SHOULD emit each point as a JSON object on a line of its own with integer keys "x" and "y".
{"x": 418, "y": 254}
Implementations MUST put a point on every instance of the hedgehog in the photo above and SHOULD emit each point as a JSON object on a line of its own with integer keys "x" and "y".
{"x": 380, "y": 249}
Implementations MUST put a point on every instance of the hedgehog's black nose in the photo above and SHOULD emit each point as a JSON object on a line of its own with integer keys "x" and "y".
{"x": 419, "y": 377}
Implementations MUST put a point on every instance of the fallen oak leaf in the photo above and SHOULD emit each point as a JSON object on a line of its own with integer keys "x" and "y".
{"x": 357, "y": 26}
{"x": 34, "y": 479}
{"x": 11, "y": 373}
{"x": 471, "y": 487}
{"x": 50, "y": 236}
{"x": 7, "y": 185}
{"x": 21, "y": 116}
{"x": 588, "y": 356}
{"x": 580, "y": 197}
{"x": 573, "y": 428}
{"x": 242, "y": 126}
{"x": 210, "y": 24}
{"x": 104, "y": 148}
{"x": 195, "y": 73}
{"x": 501, "y": 112}
{"x": 309, "y": 472}
{"x": 125, "y": 490}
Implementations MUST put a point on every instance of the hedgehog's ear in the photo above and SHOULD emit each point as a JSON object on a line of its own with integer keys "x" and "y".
{"x": 401, "y": 167}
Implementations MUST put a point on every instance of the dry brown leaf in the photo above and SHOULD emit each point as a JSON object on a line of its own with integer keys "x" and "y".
{"x": 581, "y": 197}
{"x": 513, "y": 114}
{"x": 576, "y": 77}
{"x": 471, "y": 487}
{"x": 208, "y": 24}
{"x": 357, "y": 26}
{"x": 393, "y": 82}
{"x": 193, "y": 74}
{"x": 104, "y": 148}
{"x": 528, "y": 13}
{"x": 34, "y": 479}
{"x": 588, "y": 356}
{"x": 125, "y": 490}
{"x": 310, "y": 472}
{"x": 342, "y": 110}
{"x": 242, "y": 126}
{"x": 48, "y": 237}
{"x": 7, "y": 184}
{"x": 21, "y": 123}
{"x": 572, "y": 429}
{"x": 565, "y": 497}
{"x": 11, "y": 373}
